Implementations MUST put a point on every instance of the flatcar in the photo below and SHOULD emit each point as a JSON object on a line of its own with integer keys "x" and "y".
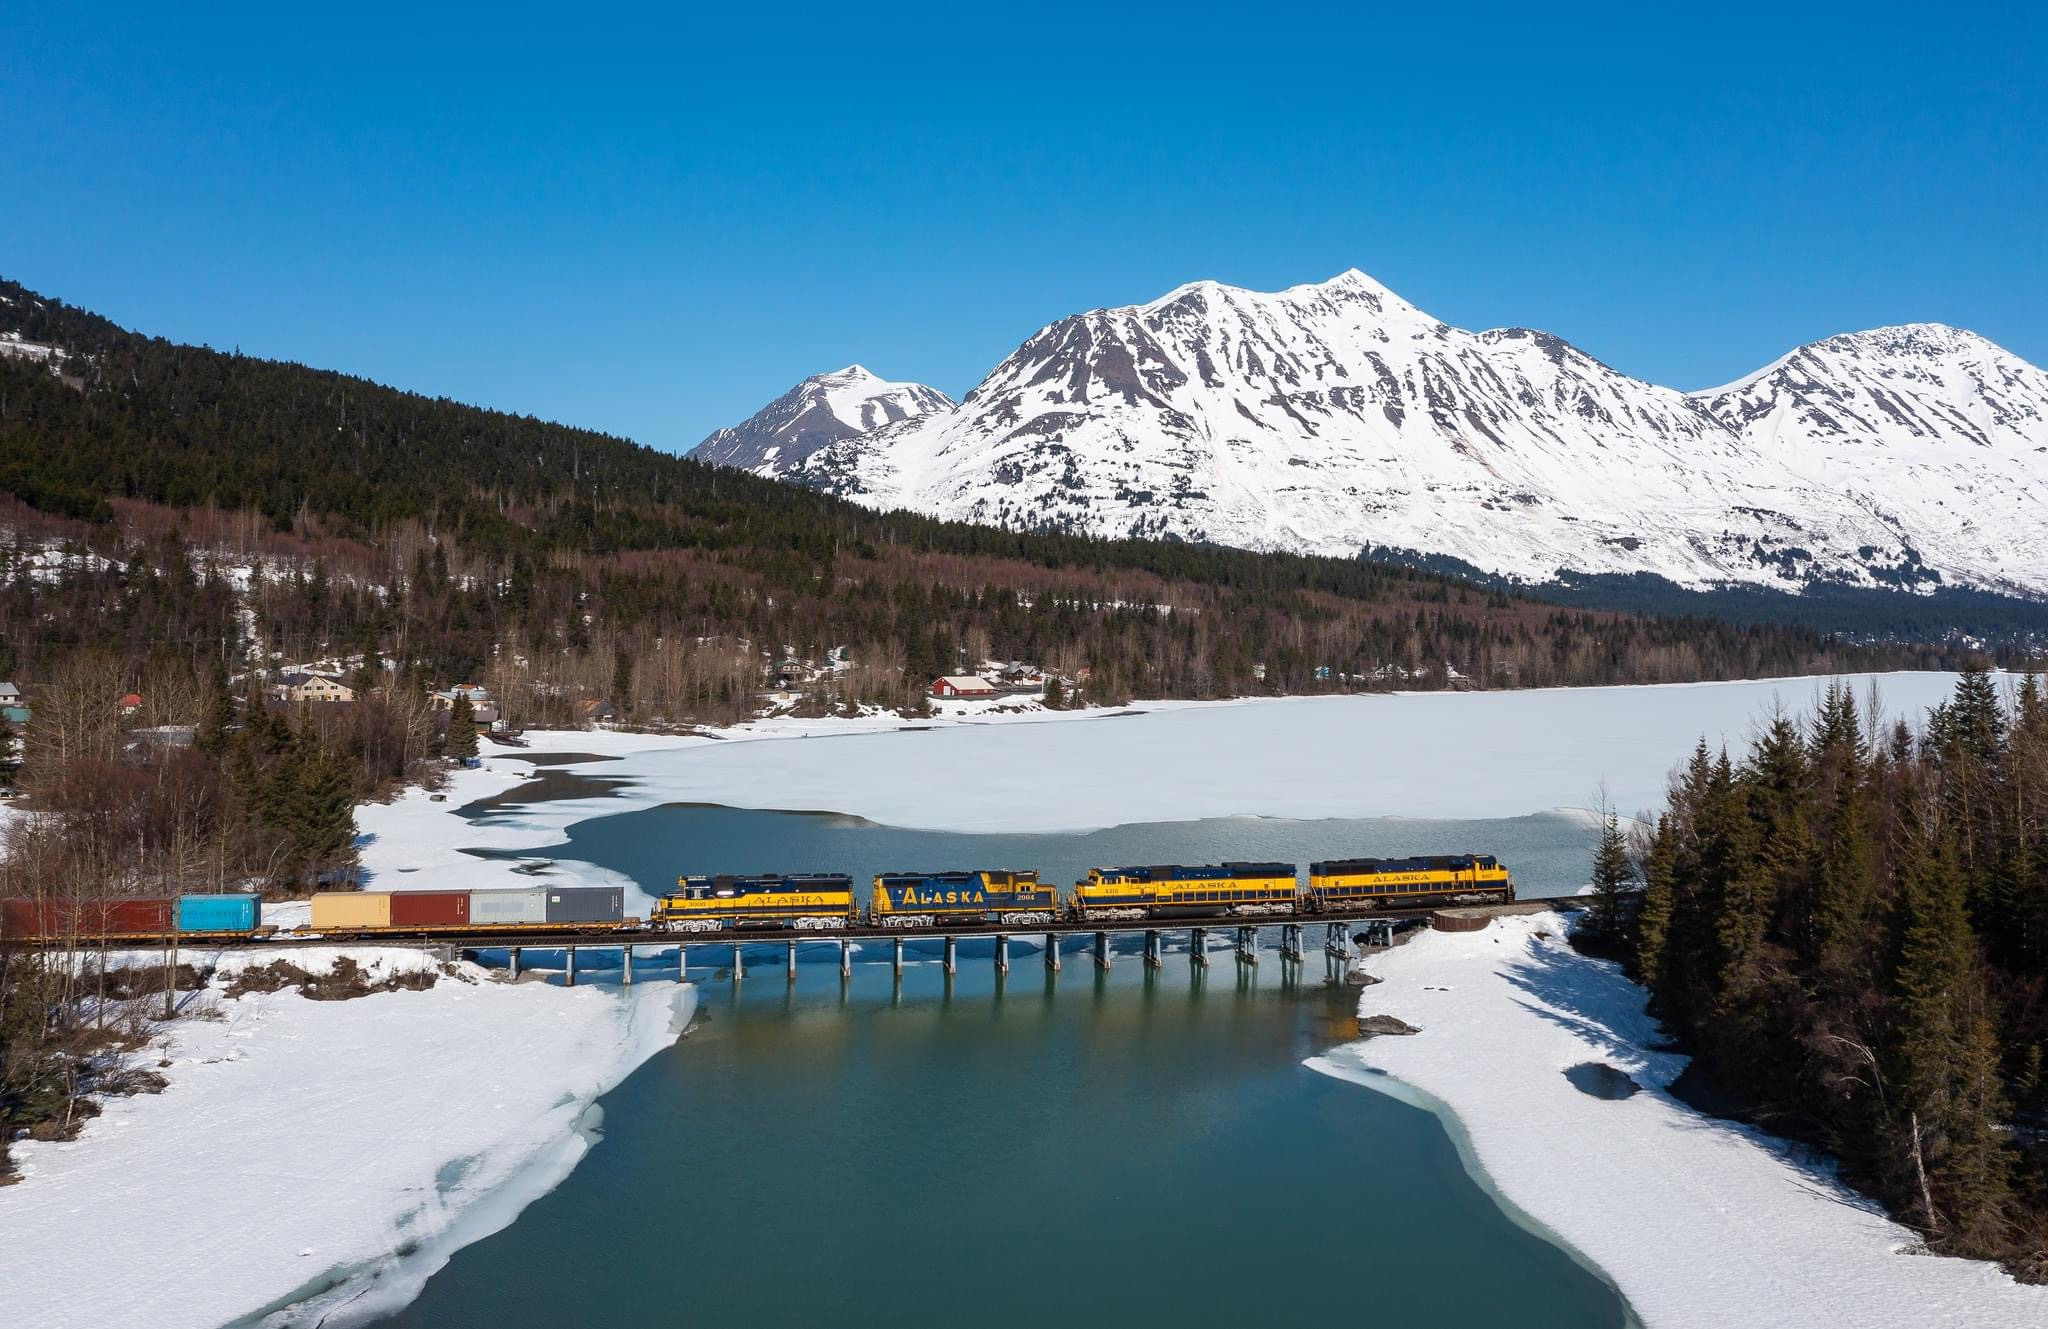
{"x": 926, "y": 899}
{"x": 1377, "y": 883}
{"x": 1174, "y": 891}
{"x": 803, "y": 901}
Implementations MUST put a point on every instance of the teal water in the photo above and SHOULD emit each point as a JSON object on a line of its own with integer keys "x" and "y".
{"x": 1087, "y": 1148}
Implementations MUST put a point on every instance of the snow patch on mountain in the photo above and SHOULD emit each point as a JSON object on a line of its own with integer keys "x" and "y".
{"x": 1336, "y": 417}
{"x": 823, "y": 409}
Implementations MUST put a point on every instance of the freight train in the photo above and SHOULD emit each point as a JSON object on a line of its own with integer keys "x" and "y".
{"x": 798, "y": 902}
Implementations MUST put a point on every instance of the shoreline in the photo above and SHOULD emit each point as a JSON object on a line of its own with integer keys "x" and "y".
{"x": 343, "y": 1150}
{"x": 1664, "y": 1199}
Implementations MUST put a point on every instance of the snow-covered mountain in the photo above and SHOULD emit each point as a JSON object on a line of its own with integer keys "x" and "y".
{"x": 1336, "y": 416}
{"x": 825, "y": 408}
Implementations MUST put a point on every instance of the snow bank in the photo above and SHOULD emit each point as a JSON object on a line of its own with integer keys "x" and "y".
{"x": 320, "y": 1159}
{"x": 1699, "y": 1222}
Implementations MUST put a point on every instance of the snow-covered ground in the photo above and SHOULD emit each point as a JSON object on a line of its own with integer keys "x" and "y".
{"x": 1701, "y": 1223}
{"x": 400, "y": 1122}
{"x": 319, "y": 1159}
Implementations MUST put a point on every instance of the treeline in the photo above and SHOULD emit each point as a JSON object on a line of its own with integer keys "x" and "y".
{"x": 671, "y": 637}
{"x": 1848, "y": 927}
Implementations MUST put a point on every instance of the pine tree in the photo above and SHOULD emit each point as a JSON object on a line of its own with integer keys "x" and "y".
{"x": 219, "y": 717}
{"x": 461, "y": 741}
{"x": 1055, "y": 693}
{"x": 1613, "y": 874}
{"x": 10, "y": 751}
{"x": 622, "y": 681}
{"x": 1653, "y": 920}
{"x": 1945, "y": 1059}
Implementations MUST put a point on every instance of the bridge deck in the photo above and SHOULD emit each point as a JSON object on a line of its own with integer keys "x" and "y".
{"x": 613, "y": 937}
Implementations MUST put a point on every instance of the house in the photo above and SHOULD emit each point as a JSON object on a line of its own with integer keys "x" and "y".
{"x": 592, "y": 711}
{"x": 478, "y": 696}
{"x": 146, "y": 746}
{"x": 962, "y": 685}
{"x": 316, "y": 687}
{"x": 10, "y": 695}
{"x": 12, "y": 706}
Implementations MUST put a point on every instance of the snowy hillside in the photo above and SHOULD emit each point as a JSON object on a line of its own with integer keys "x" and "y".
{"x": 825, "y": 408}
{"x": 1336, "y": 416}
{"x": 1937, "y": 428}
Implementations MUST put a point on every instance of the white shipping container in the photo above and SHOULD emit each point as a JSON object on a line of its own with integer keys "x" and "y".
{"x": 508, "y": 907}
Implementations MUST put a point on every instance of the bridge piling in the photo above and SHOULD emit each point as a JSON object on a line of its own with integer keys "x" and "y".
{"x": 899, "y": 959}
{"x": 513, "y": 967}
{"x": 1052, "y": 951}
{"x": 845, "y": 958}
{"x": 1247, "y": 945}
{"x": 739, "y": 968}
{"x": 952, "y": 955}
{"x": 792, "y": 959}
{"x": 1102, "y": 950}
{"x": 569, "y": 974}
{"x": 1290, "y": 942}
{"x": 1002, "y": 953}
{"x": 1337, "y": 941}
{"x": 626, "y": 965}
{"x": 1198, "y": 942}
{"x": 1153, "y": 958}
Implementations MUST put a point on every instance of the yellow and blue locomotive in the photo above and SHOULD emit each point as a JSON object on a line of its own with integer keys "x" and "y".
{"x": 1374, "y": 883}
{"x": 924, "y": 899}
{"x": 803, "y": 901}
{"x": 1173, "y": 891}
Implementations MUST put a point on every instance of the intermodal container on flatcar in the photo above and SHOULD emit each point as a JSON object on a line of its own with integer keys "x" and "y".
{"x": 508, "y": 908}
{"x": 351, "y": 911}
{"x": 919, "y": 899}
{"x": 430, "y": 909}
{"x": 1171, "y": 890}
{"x": 219, "y": 913}
{"x": 114, "y": 916}
{"x": 585, "y": 904}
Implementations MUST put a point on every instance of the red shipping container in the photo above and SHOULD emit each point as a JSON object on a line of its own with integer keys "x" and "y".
{"x": 119, "y": 916}
{"x": 429, "y": 909}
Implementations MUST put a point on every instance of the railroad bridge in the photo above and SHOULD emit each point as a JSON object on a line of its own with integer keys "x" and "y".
{"x": 1337, "y": 938}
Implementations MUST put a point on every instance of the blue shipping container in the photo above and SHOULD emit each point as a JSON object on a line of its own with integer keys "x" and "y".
{"x": 219, "y": 913}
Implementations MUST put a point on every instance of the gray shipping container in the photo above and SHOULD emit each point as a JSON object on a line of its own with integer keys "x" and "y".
{"x": 529, "y": 906}
{"x": 586, "y": 904}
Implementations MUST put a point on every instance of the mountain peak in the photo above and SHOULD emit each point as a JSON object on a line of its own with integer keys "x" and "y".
{"x": 1335, "y": 416}
{"x": 822, "y": 409}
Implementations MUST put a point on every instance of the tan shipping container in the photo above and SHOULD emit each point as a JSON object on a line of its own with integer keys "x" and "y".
{"x": 340, "y": 910}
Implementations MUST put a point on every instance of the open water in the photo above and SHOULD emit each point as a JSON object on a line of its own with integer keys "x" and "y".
{"x": 1130, "y": 1147}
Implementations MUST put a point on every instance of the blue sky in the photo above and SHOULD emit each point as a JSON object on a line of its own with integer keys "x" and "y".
{"x": 652, "y": 225}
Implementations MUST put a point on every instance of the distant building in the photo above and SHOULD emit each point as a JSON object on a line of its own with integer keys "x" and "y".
{"x": 130, "y": 703}
{"x": 12, "y": 707}
{"x": 962, "y": 685}
{"x": 592, "y": 711}
{"x": 144, "y": 746}
{"x": 477, "y": 694}
{"x": 315, "y": 687}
